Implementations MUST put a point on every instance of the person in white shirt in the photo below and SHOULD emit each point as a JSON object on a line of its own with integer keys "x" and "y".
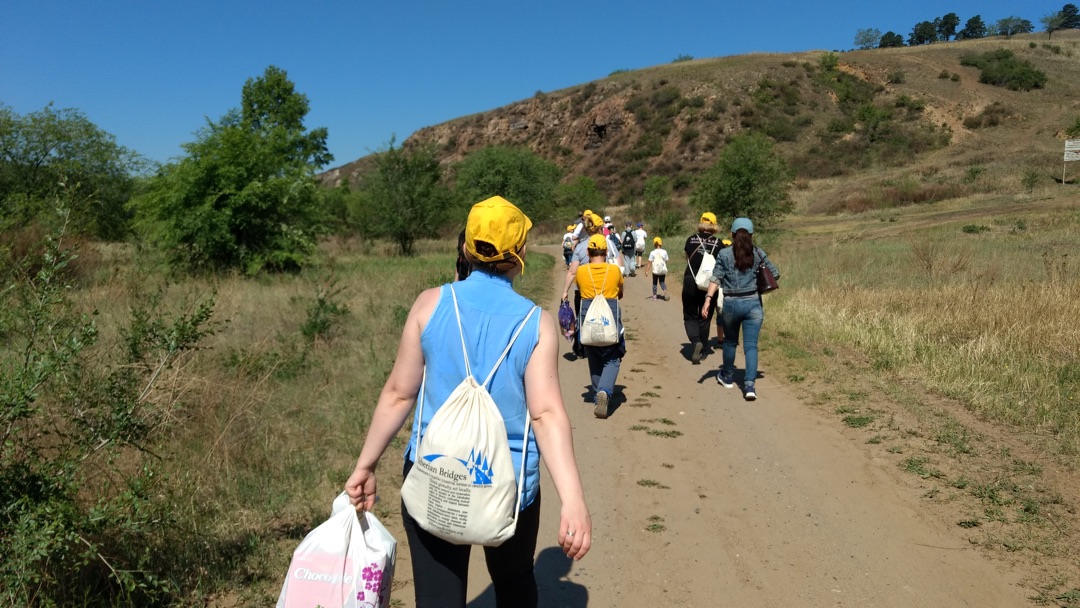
{"x": 640, "y": 238}
{"x": 658, "y": 260}
{"x": 568, "y": 244}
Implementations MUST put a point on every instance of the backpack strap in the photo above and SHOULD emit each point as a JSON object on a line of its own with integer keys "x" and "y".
{"x": 699, "y": 248}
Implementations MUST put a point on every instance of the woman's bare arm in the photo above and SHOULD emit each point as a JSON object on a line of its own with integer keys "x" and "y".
{"x": 551, "y": 426}
{"x": 395, "y": 402}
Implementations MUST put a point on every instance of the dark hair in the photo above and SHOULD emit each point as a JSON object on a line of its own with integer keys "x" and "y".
{"x": 743, "y": 248}
{"x": 486, "y": 249}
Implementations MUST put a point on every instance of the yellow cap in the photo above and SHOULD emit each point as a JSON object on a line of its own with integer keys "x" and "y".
{"x": 598, "y": 242}
{"x": 570, "y": 228}
{"x": 708, "y": 217}
{"x": 726, "y": 242}
{"x": 595, "y": 220}
{"x": 499, "y": 223}
{"x": 657, "y": 241}
{"x": 586, "y": 213}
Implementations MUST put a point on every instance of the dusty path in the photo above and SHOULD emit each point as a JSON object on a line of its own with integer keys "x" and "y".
{"x": 762, "y": 504}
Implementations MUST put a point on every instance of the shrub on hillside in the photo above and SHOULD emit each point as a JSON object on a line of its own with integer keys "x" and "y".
{"x": 991, "y": 116}
{"x": 86, "y": 517}
{"x": 1002, "y": 68}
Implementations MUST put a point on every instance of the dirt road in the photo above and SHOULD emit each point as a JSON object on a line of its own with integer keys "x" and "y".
{"x": 754, "y": 504}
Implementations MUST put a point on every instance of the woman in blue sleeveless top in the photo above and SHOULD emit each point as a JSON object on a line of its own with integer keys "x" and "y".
{"x": 526, "y": 383}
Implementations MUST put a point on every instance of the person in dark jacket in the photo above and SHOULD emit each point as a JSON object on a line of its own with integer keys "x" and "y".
{"x": 693, "y": 298}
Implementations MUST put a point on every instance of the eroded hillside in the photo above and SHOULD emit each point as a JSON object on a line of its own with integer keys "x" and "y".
{"x": 862, "y": 129}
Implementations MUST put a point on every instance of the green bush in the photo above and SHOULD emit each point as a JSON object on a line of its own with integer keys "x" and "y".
{"x": 1001, "y": 68}
{"x": 85, "y": 518}
{"x": 750, "y": 178}
{"x": 974, "y": 229}
{"x": 897, "y": 77}
{"x": 1074, "y": 130}
{"x": 245, "y": 196}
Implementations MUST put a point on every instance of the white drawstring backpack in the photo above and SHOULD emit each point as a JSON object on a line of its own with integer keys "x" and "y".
{"x": 598, "y": 328}
{"x": 461, "y": 487}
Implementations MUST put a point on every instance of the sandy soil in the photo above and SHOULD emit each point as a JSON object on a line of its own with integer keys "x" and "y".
{"x": 762, "y": 503}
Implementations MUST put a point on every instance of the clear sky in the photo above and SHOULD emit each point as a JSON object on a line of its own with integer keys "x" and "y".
{"x": 152, "y": 72}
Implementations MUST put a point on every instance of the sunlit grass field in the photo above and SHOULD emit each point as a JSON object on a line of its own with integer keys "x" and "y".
{"x": 267, "y": 421}
{"x": 981, "y": 309}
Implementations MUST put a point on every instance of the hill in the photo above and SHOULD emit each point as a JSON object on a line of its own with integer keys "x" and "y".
{"x": 863, "y": 129}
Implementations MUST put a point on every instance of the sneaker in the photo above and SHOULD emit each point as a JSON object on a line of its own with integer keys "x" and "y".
{"x": 653, "y": 297}
{"x": 696, "y": 356}
{"x": 749, "y": 394}
{"x": 724, "y": 380}
{"x": 601, "y": 410}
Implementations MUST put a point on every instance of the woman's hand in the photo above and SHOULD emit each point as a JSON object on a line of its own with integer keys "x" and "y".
{"x": 575, "y": 531}
{"x": 705, "y": 308}
{"x": 361, "y": 488}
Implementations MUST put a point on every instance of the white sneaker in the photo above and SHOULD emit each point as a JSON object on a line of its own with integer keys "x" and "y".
{"x": 601, "y": 409}
{"x": 750, "y": 395}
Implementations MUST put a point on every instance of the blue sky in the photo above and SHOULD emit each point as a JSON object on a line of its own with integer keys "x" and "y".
{"x": 152, "y": 72}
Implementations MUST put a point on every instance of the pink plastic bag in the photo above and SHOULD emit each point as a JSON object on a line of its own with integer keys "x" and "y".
{"x": 347, "y": 561}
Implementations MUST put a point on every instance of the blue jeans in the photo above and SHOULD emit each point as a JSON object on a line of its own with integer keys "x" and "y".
{"x": 747, "y": 314}
{"x": 604, "y": 363}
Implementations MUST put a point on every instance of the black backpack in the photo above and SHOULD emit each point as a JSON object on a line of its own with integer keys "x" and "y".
{"x": 628, "y": 245}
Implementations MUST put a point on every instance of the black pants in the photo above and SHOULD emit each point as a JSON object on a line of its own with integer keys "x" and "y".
{"x": 441, "y": 568}
{"x": 577, "y": 348}
{"x": 697, "y": 328}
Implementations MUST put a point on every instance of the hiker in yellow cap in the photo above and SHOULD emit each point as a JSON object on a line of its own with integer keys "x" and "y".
{"x": 568, "y": 244}
{"x": 600, "y": 278}
{"x": 700, "y": 248}
{"x": 581, "y": 232}
{"x": 465, "y": 326}
{"x": 658, "y": 263}
{"x": 594, "y": 224}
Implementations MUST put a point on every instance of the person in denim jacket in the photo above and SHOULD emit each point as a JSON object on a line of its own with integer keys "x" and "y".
{"x": 736, "y": 273}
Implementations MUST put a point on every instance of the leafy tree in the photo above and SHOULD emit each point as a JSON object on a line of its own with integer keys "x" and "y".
{"x": 44, "y": 151}
{"x": 1010, "y": 26}
{"x": 404, "y": 198}
{"x": 891, "y": 40}
{"x": 1070, "y": 17}
{"x": 1052, "y": 22}
{"x": 578, "y": 194}
{"x": 749, "y": 179}
{"x": 946, "y": 26}
{"x": 924, "y": 32}
{"x": 657, "y": 196}
{"x": 974, "y": 28}
{"x": 517, "y": 174}
{"x": 868, "y": 38}
{"x": 245, "y": 196}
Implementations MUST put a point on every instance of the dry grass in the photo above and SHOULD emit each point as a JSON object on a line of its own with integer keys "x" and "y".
{"x": 986, "y": 316}
{"x": 266, "y": 424}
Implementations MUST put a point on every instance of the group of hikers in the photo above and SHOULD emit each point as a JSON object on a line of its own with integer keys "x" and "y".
{"x": 721, "y": 274}
{"x": 479, "y": 327}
